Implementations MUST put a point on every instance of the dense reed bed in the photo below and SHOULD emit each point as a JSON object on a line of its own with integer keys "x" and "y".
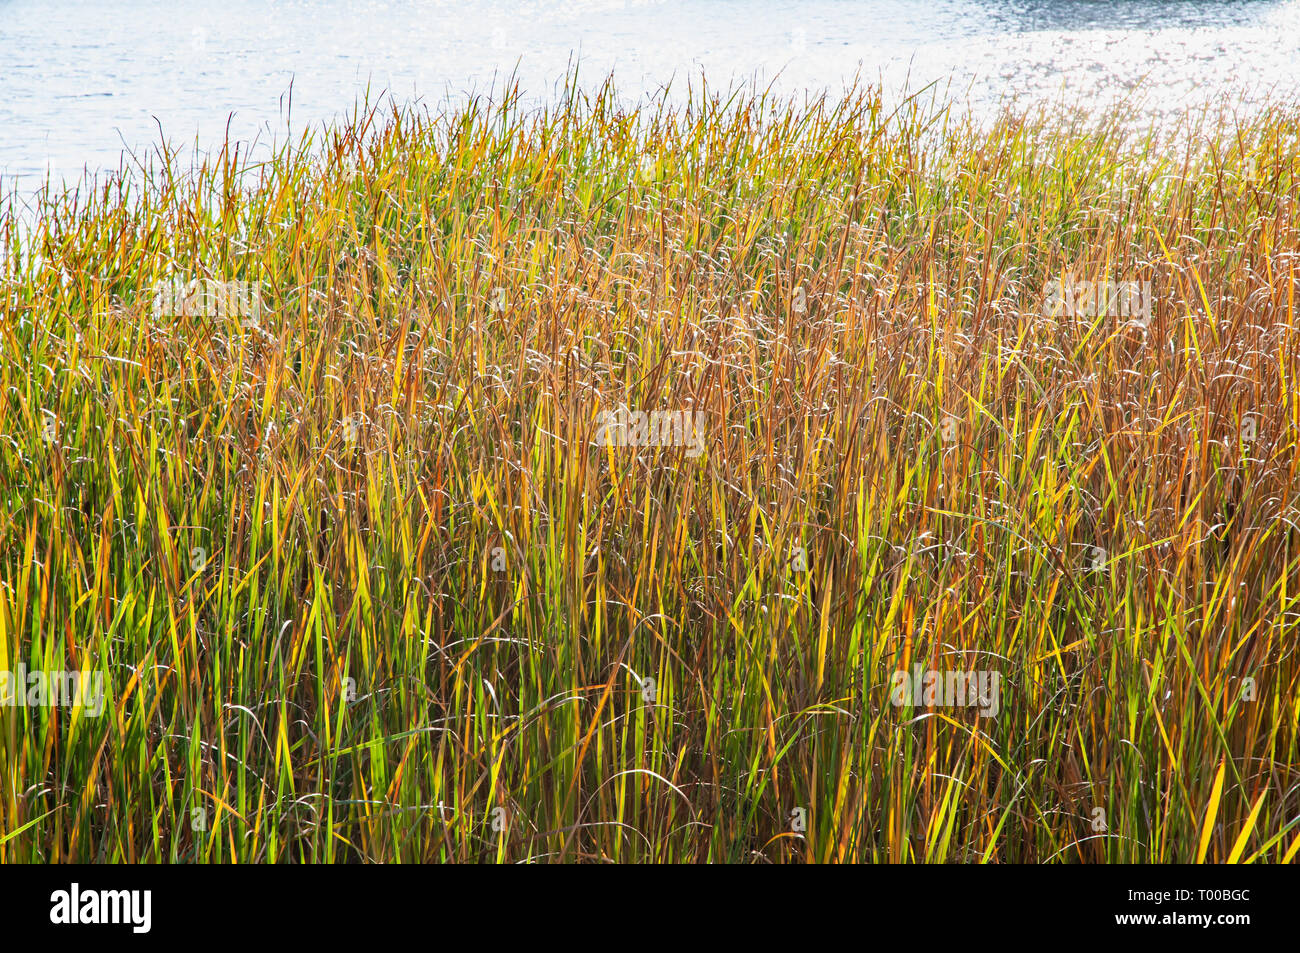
{"x": 366, "y": 581}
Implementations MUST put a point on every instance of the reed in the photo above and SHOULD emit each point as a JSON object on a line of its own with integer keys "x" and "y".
{"x": 363, "y": 584}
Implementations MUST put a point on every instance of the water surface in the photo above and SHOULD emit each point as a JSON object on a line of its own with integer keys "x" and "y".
{"x": 82, "y": 79}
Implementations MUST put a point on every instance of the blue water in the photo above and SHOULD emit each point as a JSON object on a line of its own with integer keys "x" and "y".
{"x": 80, "y": 80}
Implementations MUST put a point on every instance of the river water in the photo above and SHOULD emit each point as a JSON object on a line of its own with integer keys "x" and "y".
{"x": 82, "y": 80}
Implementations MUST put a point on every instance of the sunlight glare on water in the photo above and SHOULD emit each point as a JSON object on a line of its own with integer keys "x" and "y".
{"x": 82, "y": 79}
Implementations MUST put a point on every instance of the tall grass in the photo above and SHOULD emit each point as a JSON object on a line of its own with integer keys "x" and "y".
{"x": 365, "y": 586}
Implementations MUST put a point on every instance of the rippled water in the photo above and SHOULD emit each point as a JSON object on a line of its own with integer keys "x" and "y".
{"x": 82, "y": 79}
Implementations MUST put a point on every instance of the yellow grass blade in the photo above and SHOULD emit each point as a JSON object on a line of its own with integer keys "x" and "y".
{"x": 1210, "y": 813}
{"x": 1246, "y": 830}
